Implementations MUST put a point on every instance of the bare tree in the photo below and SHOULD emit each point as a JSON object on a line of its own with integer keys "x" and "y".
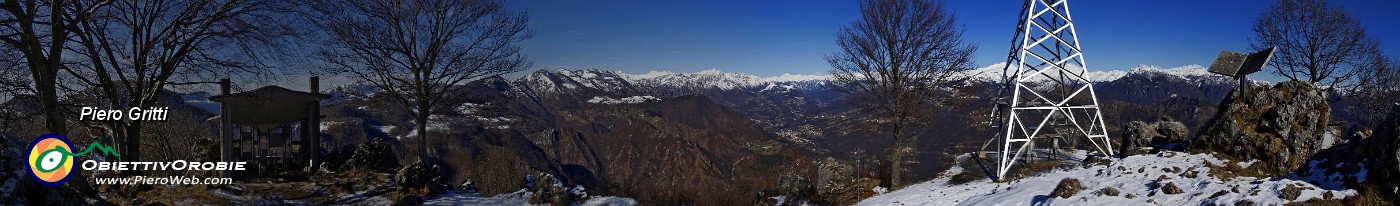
{"x": 1317, "y": 42}
{"x": 894, "y": 59}
{"x": 38, "y": 30}
{"x": 421, "y": 51}
{"x": 1375, "y": 92}
{"x": 130, "y": 51}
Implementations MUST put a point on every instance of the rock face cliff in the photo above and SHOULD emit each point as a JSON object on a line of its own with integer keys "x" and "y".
{"x": 1365, "y": 158}
{"x": 1384, "y": 149}
{"x": 1281, "y": 126}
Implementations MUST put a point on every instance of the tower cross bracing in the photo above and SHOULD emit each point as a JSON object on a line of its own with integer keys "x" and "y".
{"x": 1044, "y": 92}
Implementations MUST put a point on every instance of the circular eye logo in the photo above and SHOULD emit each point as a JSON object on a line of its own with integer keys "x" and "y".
{"x": 50, "y": 159}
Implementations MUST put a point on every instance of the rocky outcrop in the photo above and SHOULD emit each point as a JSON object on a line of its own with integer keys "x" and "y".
{"x": 1282, "y": 126}
{"x": 1369, "y": 157}
{"x": 1381, "y": 154}
{"x": 1384, "y": 149}
{"x": 376, "y": 156}
{"x": 1110, "y": 191}
{"x": 1068, "y": 187}
{"x": 836, "y": 183}
{"x": 423, "y": 178}
{"x": 547, "y": 189}
{"x": 790, "y": 190}
{"x": 1145, "y": 138}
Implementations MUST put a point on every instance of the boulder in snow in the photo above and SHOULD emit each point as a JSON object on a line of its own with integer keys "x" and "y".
{"x": 375, "y": 155}
{"x": 547, "y": 189}
{"x": 424, "y": 177}
{"x": 1068, "y": 187}
{"x": 1145, "y": 138}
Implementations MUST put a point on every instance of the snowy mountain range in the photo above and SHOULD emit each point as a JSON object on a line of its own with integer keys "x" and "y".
{"x": 564, "y": 80}
{"x": 1191, "y": 72}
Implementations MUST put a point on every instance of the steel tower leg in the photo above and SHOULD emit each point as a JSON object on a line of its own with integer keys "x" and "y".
{"x": 1044, "y": 77}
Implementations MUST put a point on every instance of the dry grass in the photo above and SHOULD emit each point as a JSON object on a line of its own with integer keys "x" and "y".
{"x": 1021, "y": 171}
{"x": 971, "y": 171}
{"x": 1230, "y": 170}
{"x": 1367, "y": 195}
{"x": 197, "y": 195}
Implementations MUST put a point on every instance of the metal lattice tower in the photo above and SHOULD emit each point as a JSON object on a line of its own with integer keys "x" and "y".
{"x": 1044, "y": 93}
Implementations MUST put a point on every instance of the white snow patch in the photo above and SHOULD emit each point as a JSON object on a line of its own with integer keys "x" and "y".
{"x": 386, "y": 128}
{"x": 624, "y": 100}
{"x": 468, "y": 108}
{"x": 778, "y": 87}
{"x": 326, "y": 125}
{"x": 795, "y": 78}
{"x": 648, "y": 75}
{"x": 1246, "y": 164}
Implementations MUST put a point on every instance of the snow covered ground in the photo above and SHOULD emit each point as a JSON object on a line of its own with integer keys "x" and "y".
{"x": 1132, "y": 176}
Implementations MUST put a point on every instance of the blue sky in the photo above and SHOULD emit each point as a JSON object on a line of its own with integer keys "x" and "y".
{"x": 773, "y": 37}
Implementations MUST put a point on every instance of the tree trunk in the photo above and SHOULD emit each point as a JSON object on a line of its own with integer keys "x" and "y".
{"x": 897, "y": 154}
{"x": 132, "y": 142}
{"x": 422, "y": 135}
{"x": 48, "y": 96}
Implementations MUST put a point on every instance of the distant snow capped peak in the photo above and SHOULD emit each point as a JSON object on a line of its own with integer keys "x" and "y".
{"x": 786, "y": 77}
{"x": 1193, "y": 70}
{"x": 715, "y": 79}
{"x": 648, "y": 75}
{"x": 994, "y": 72}
{"x": 564, "y": 80}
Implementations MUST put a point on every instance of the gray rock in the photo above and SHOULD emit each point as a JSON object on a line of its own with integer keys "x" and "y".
{"x": 1171, "y": 189}
{"x": 1137, "y": 138}
{"x": 1145, "y": 138}
{"x": 835, "y": 182}
{"x": 375, "y": 156}
{"x": 1281, "y": 126}
{"x": 1110, "y": 191}
{"x": 1290, "y": 192}
{"x": 1068, "y": 187}
{"x": 796, "y": 191}
{"x": 548, "y": 189}
{"x": 1383, "y": 151}
{"x": 422, "y": 177}
{"x": 1170, "y": 131}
